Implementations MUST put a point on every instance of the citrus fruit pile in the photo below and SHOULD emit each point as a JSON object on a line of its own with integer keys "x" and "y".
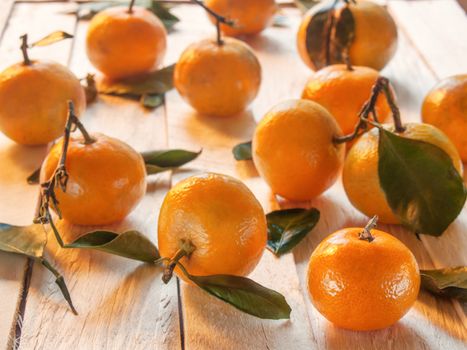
{"x": 212, "y": 231}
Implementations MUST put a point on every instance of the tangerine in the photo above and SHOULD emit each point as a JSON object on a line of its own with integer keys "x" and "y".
{"x": 218, "y": 79}
{"x": 360, "y": 175}
{"x": 294, "y": 152}
{"x": 220, "y": 218}
{"x": 363, "y": 280}
{"x": 123, "y": 42}
{"x": 445, "y": 107}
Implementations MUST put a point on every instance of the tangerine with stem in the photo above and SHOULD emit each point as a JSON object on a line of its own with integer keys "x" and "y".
{"x": 360, "y": 174}
{"x": 126, "y": 41}
{"x": 33, "y": 97}
{"x": 218, "y": 77}
{"x": 211, "y": 224}
{"x": 93, "y": 179}
{"x": 363, "y": 279}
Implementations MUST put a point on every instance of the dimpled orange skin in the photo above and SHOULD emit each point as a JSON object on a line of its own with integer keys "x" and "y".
{"x": 33, "y": 100}
{"x": 445, "y": 107}
{"x": 343, "y": 92}
{"x": 360, "y": 174}
{"x": 249, "y": 16}
{"x": 223, "y": 220}
{"x": 361, "y": 285}
{"x": 122, "y": 44}
{"x": 293, "y": 149}
{"x": 218, "y": 80}
{"x": 375, "y": 41}
{"x": 107, "y": 179}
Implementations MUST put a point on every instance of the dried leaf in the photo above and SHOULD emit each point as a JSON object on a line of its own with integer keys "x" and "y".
{"x": 30, "y": 241}
{"x": 449, "y": 282}
{"x": 156, "y": 83}
{"x": 52, "y": 38}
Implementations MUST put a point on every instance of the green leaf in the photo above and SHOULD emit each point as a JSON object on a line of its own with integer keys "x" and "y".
{"x": 87, "y": 11}
{"x": 286, "y": 228}
{"x": 449, "y": 282}
{"x": 33, "y": 179}
{"x": 159, "y": 161}
{"x": 155, "y": 83}
{"x": 25, "y": 240}
{"x": 152, "y": 101}
{"x": 130, "y": 244}
{"x": 245, "y": 295}
{"x": 422, "y": 186}
{"x": 242, "y": 151}
{"x": 52, "y": 38}
{"x": 30, "y": 241}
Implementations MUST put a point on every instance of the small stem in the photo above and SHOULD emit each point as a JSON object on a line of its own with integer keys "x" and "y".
{"x": 366, "y": 233}
{"x": 186, "y": 249}
{"x": 130, "y": 6}
{"x": 381, "y": 85}
{"x": 219, "y": 19}
{"x": 88, "y": 139}
{"x": 24, "y": 49}
{"x": 396, "y": 115}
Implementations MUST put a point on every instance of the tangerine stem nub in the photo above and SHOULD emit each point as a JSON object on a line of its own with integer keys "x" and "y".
{"x": 130, "y": 6}
{"x": 24, "y": 49}
{"x": 186, "y": 248}
{"x": 366, "y": 233}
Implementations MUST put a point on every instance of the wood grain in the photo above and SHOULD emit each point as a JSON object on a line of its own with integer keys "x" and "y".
{"x": 18, "y": 199}
{"x": 121, "y": 303}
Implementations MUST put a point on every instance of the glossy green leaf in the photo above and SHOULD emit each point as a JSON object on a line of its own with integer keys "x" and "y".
{"x": 30, "y": 241}
{"x": 52, "y": 38}
{"x": 130, "y": 244}
{"x": 152, "y": 101}
{"x": 245, "y": 295}
{"x": 286, "y": 228}
{"x": 156, "y": 83}
{"x": 242, "y": 151}
{"x": 159, "y": 161}
{"x": 89, "y": 10}
{"x": 422, "y": 186}
{"x": 449, "y": 282}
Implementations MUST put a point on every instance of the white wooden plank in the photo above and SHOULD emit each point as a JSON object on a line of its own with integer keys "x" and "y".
{"x": 438, "y": 26}
{"x": 209, "y": 323}
{"x": 430, "y": 324}
{"x": 121, "y": 303}
{"x": 17, "y": 198}
{"x": 438, "y": 29}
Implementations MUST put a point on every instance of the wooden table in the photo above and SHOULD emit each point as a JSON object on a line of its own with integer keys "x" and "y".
{"x": 123, "y": 304}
